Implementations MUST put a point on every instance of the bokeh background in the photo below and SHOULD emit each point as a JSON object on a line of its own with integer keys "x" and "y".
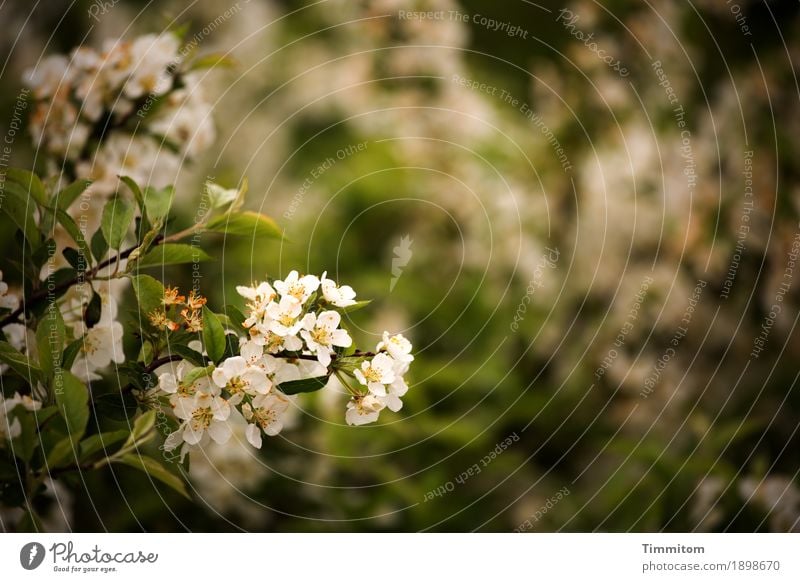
{"x": 582, "y": 245}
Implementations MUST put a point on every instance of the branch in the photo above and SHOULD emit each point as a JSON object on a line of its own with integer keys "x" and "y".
{"x": 85, "y": 276}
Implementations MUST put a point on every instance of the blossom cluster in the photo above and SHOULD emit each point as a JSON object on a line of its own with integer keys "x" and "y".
{"x": 137, "y": 87}
{"x": 294, "y": 332}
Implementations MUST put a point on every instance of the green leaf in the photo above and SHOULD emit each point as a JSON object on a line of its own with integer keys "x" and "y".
{"x": 158, "y": 202}
{"x": 74, "y": 258}
{"x": 304, "y": 385}
{"x": 26, "y": 442}
{"x": 149, "y": 293}
{"x": 43, "y": 414}
{"x": 187, "y": 353}
{"x": 117, "y": 218}
{"x": 120, "y": 406}
{"x": 50, "y": 339}
{"x": 71, "y": 352}
{"x": 173, "y": 254}
{"x": 146, "y": 353}
{"x": 72, "y": 399}
{"x": 195, "y": 374}
{"x": 93, "y": 311}
{"x": 44, "y": 252}
{"x": 247, "y": 223}
{"x": 99, "y": 246}
{"x": 155, "y": 470}
{"x": 20, "y": 363}
{"x": 134, "y": 187}
{"x": 348, "y": 363}
{"x": 142, "y": 430}
{"x": 212, "y": 60}
{"x": 220, "y": 196}
{"x": 20, "y": 210}
{"x": 235, "y": 316}
{"x": 63, "y": 451}
{"x": 213, "y": 335}
{"x": 30, "y": 182}
{"x": 355, "y": 306}
{"x": 68, "y": 195}
{"x": 58, "y": 278}
{"x": 75, "y": 233}
{"x": 100, "y": 442}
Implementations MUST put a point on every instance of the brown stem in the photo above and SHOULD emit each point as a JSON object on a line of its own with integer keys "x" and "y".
{"x": 85, "y": 276}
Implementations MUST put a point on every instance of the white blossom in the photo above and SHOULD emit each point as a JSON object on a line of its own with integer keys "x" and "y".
{"x": 184, "y": 384}
{"x": 343, "y": 296}
{"x": 258, "y": 298}
{"x": 376, "y": 373}
{"x": 203, "y": 414}
{"x": 7, "y": 300}
{"x": 394, "y": 392}
{"x": 240, "y": 379}
{"x": 363, "y": 410}
{"x": 265, "y": 414}
{"x": 397, "y": 346}
{"x": 45, "y": 79}
{"x": 284, "y": 316}
{"x": 321, "y": 334}
{"x": 300, "y": 288}
{"x": 150, "y": 56}
{"x": 11, "y": 429}
{"x": 102, "y": 344}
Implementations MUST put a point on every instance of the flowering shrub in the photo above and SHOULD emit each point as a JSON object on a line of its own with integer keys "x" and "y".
{"x": 133, "y": 108}
{"x": 103, "y": 119}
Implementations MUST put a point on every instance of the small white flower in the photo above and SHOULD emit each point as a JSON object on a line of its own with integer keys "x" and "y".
{"x": 265, "y": 414}
{"x": 11, "y": 430}
{"x": 321, "y": 335}
{"x": 272, "y": 342}
{"x": 7, "y": 300}
{"x": 343, "y": 296}
{"x": 376, "y": 373}
{"x": 397, "y": 346}
{"x": 284, "y": 316}
{"x": 51, "y": 73}
{"x": 176, "y": 386}
{"x": 297, "y": 287}
{"x": 363, "y": 410}
{"x": 239, "y": 378}
{"x": 200, "y": 415}
{"x": 253, "y": 354}
{"x": 394, "y": 391}
{"x": 258, "y": 298}
{"x": 102, "y": 344}
{"x": 150, "y": 56}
